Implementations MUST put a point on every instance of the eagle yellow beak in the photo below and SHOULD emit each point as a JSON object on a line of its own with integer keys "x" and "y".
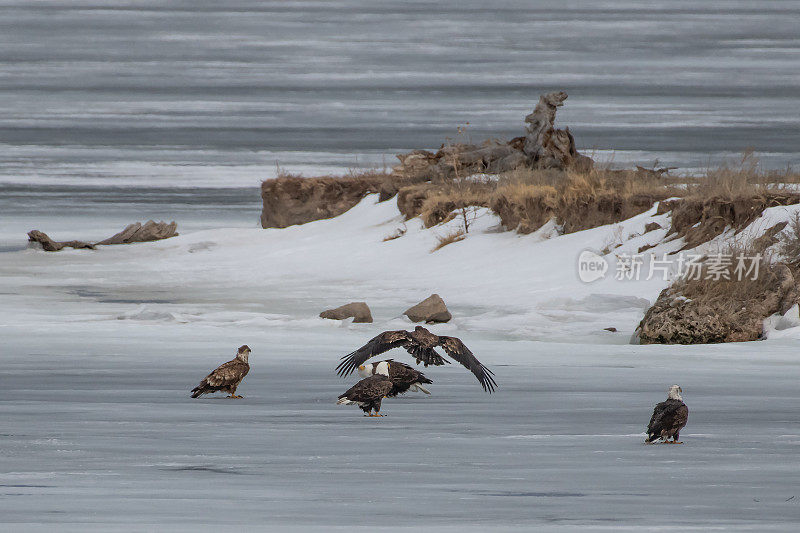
{"x": 361, "y": 367}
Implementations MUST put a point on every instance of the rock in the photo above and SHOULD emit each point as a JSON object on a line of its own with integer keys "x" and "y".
{"x": 612, "y": 330}
{"x": 431, "y": 309}
{"x": 358, "y": 311}
{"x": 651, "y": 226}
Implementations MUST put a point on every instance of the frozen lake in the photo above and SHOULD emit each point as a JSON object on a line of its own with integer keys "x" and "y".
{"x": 100, "y": 349}
{"x": 100, "y": 433}
{"x": 199, "y": 93}
{"x": 118, "y": 111}
{"x": 112, "y": 112}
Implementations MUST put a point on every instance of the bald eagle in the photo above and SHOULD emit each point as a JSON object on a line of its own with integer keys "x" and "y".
{"x": 368, "y": 394}
{"x": 669, "y": 417}
{"x": 420, "y": 343}
{"x": 403, "y": 376}
{"x": 227, "y": 376}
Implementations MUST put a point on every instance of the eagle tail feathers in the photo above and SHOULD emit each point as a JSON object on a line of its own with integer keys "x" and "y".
{"x": 343, "y": 401}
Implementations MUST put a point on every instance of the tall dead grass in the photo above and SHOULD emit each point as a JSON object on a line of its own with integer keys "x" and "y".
{"x": 526, "y": 200}
{"x": 449, "y": 238}
{"x": 736, "y": 277}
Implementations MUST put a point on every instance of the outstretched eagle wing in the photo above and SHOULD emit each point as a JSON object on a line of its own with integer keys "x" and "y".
{"x": 458, "y": 351}
{"x": 376, "y": 346}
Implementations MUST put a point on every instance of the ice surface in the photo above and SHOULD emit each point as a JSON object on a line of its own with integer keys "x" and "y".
{"x": 178, "y": 111}
{"x": 100, "y": 349}
{"x": 205, "y": 93}
{"x": 99, "y": 434}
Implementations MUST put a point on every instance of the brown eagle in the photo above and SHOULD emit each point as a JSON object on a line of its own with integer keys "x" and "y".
{"x": 420, "y": 343}
{"x": 669, "y": 417}
{"x": 368, "y": 394}
{"x": 403, "y": 377}
{"x": 227, "y": 376}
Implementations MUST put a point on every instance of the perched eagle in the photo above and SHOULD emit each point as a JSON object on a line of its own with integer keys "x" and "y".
{"x": 669, "y": 417}
{"x": 368, "y": 394}
{"x": 420, "y": 343}
{"x": 403, "y": 376}
{"x": 227, "y": 376}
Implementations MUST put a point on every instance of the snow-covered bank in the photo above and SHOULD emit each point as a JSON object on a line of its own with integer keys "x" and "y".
{"x": 494, "y": 281}
{"x": 497, "y": 282}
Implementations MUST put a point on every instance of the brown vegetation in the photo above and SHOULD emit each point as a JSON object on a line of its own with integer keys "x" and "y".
{"x": 789, "y": 248}
{"x": 526, "y": 200}
{"x": 449, "y": 238}
{"x": 720, "y": 303}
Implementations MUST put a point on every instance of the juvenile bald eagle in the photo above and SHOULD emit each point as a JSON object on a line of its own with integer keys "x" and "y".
{"x": 227, "y": 376}
{"x": 368, "y": 394}
{"x": 669, "y": 417}
{"x": 403, "y": 376}
{"x": 420, "y": 343}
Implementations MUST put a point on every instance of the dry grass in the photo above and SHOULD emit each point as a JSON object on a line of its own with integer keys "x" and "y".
{"x": 731, "y": 291}
{"x": 457, "y": 195}
{"x": 789, "y": 247}
{"x": 714, "y": 303}
{"x": 449, "y": 238}
{"x": 352, "y": 173}
{"x": 526, "y": 200}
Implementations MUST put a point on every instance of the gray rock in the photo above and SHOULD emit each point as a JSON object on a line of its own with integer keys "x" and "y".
{"x": 431, "y": 309}
{"x": 358, "y": 311}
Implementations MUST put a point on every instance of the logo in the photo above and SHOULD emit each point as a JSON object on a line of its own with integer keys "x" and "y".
{"x": 591, "y": 266}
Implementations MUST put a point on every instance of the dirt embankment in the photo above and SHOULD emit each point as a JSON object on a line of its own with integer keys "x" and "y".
{"x": 289, "y": 200}
{"x": 726, "y": 310}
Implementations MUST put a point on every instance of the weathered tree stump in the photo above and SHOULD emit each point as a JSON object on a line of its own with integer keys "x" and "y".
{"x": 543, "y": 146}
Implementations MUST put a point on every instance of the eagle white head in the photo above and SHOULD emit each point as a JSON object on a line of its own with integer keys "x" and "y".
{"x": 243, "y": 353}
{"x": 370, "y": 369}
{"x": 675, "y": 393}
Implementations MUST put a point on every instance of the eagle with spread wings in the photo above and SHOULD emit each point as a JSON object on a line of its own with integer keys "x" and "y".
{"x": 420, "y": 343}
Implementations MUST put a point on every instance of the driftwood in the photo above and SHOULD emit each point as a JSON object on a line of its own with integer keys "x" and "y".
{"x": 150, "y": 231}
{"x": 543, "y": 146}
{"x": 49, "y": 245}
